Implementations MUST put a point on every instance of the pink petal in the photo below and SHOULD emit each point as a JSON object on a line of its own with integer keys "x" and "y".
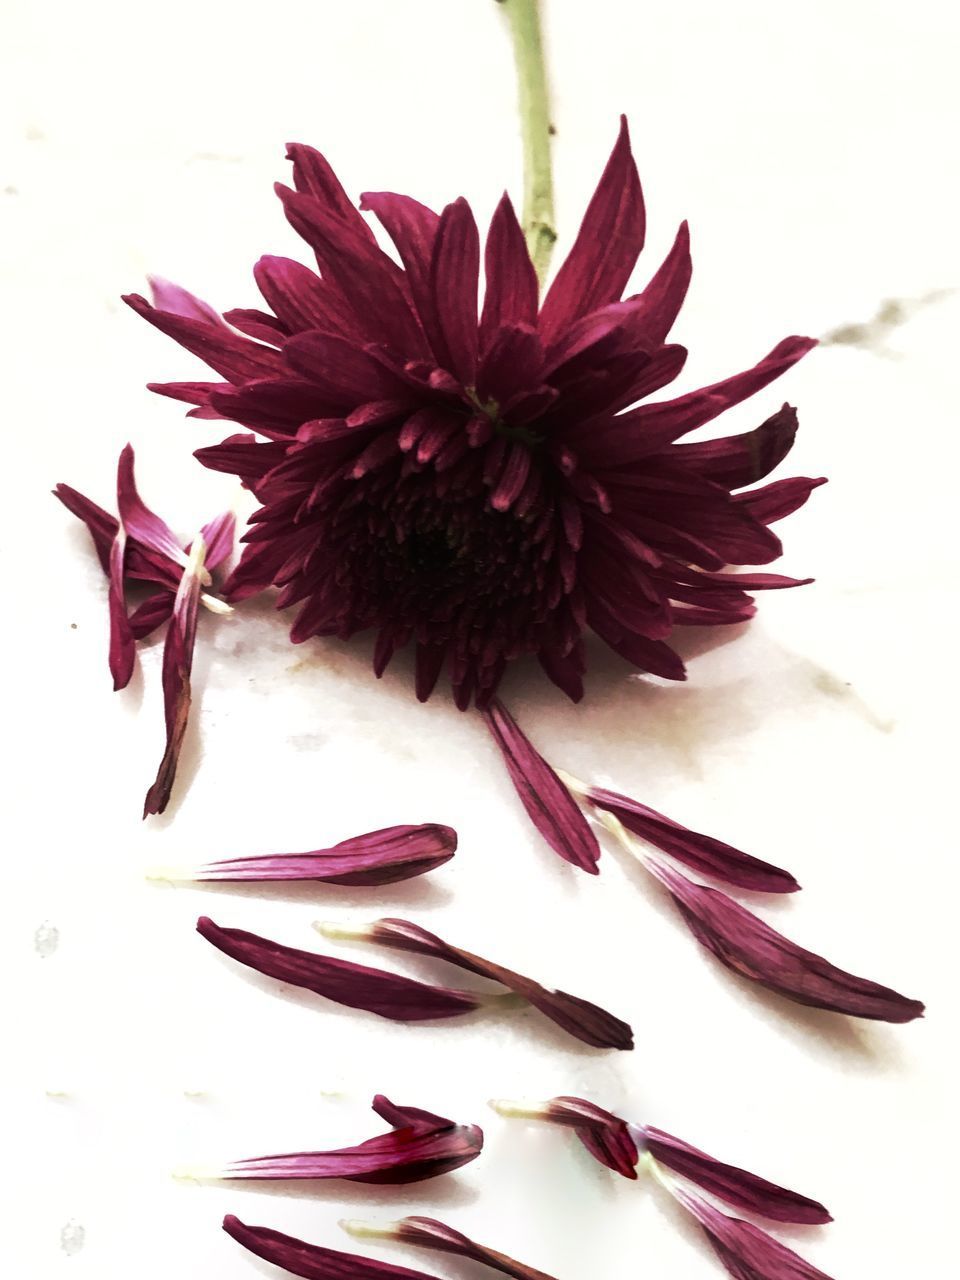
{"x": 511, "y": 291}
{"x": 101, "y": 525}
{"x": 235, "y": 358}
{"x": 606, "y": 1136}
{"x": 301, "y": 300}
{"x": 218, "y": 537}
{"x": 586, "y": 1021}
{"x": 176, "y": 300}
{"x": 751, "y": 948}
{"x": 455, "y": 274}
{"x": 745, "y": 1251}
{"x": 310, "y": 1260}
{"x": 428, "y": 1233}
{"x": 663, "y": 297}
{"x": 380, "y": 857}
{"x": 549, "y": 804}
{"x": 413, "y": 229}
{"x": 736, "y": 1186}
{"x": 703, "y": 853}
{"x": 386, "y": 994}
{"x": 345, "y": 374}
{"x": 122, "y": 649}
{"x": 152, "y": 613}
{"x": 412, "y": 1152}
{"x": 138, "y": 520}
{"x": 313, "y": 175}
{"x": 606, "y": 249}
{"x": 735, "y": 461}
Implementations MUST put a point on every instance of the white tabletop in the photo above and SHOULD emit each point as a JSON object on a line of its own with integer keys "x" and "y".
{"x": 813, "y": 150}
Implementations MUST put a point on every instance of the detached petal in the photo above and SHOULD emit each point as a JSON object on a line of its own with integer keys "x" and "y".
{"x": 137, "y": 518}
{"x": 703, "y": 853}
{"x": 549, "y": 804}
{"x": 607, "y": 1137}
{"x": 736, "y": 1186}
{"x": 386, "y": 994}
{"x": 380, "y": 857}
{"x": 102, "y": 526}
{"x": 751, "y": 948}
{"x": 747, "y": 1252}
{"x": 177, "y": 666}
{"x": 413, "y": 1151}
{"x": 428, "y": 1233}
{"x": 218, "y": 538}
{"x": 122, "y": 647}
{"x": 735, "y": 461}
{"x": 311, "y": 1261}
{"x": 585, "y": 1021}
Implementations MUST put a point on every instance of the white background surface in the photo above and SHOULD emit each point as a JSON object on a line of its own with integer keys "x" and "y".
{"x": 813, "y": 149}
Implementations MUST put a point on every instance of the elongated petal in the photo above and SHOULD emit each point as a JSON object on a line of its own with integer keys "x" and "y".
{"x": 152, "y": 613}
{"x": 311, "y": 1261}
{"x": 380, "y": 857}
{"x": 234, "y": 357}
{"x": 663, "y": 297}
{"x": 511, "y": 290}
{"x": 137, "y": 518}
{"x": 413, "y": 229}
{"x": 606, "y": 248}
{"x": 586, "y": 1021}
{"x": 735, "y": 461}
{"x": 736, "y": 1186}
{"x": 218, "y": 537}
{"x": 177, "y": 666}
{"x": 122, "y": 649}
{"x": 171, "y": 297}
{"x": 751, "y": 948}
{"x": 428, "y": 1233}
{"x": 455, "y": 274}
{"x": 387, "y": 994}
{"x": 747, "y": 1252}
{"x": 101, "y": 525}
{"x": 549, "y": 804}
{"x": 779, "y": 499}
{"x": 607, "y": 1137}
{"x": 413, "y": 1151}
{"x": 705, "y": 854}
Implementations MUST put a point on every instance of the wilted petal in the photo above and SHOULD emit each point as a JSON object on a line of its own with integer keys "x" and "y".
{"x": 311, "y": 1261}
{"x": 387, "y": 994}
{"x": 122, "y": 648}
{"x": 415, "y": 1149}
{"x": 218, "y": 538}
{"x": 137, "y": 518}
{"x": 177, "y": 666}
{"x": 607, "y": 1137}
{"x": 703, "y": 853}
{"x": 549, "y": 804}
{"x": 747, "y": 1252}
{"x": 380, "y": 857}
{"x": 102, "y": 526}
{"x": 751, "y": 948}
{"x": 585, "y": 1021}
{"x": 428, "y": 1233}
{"x": 152, "y": 613}
{"x": 727, "y": 1182}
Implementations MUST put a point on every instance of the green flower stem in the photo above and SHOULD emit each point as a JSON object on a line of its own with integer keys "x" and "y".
{"x": 523, "y": 17}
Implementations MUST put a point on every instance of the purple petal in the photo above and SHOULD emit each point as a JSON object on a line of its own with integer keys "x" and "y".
{"x": 549, "y": 804}
{"x": 413, "y": 229}
{"x": 736, "y": 1186}
{"x": 152, "y": 613}
{"x": 607, "y": 246}
{"x": 745, "y": 1251}
{"x": 455, "y": 274}
{"x": 781, "y": 498}
{"x": 751, "y": 948}
{"x": 314, "y": 176}
{"x": 412, "y": 1152}
{"x": 511, "y": 291}
{"x": 301, "y": 300}
{"x": 663, "y": 297}
{"x": 607, "y": 1137}
{"x": 703, "y": 853}
{"x": 177, "y": 666}
{"x": 586, "y": 1021}
{"x": 101, "y": 525}
{"x": 428, "y": 1233}
{"x": 387, "y": 994}
{"x": 122, "y": 649}
{"x": 380, "y": 857}
{"x": 310, "y": 1260}
{"x": 235, "y": 358}
{"x": 735, "y": 461}
{"x": 138, "y": 520}
{"x": 178, "y": 301}
{"x": 218, "y": 538}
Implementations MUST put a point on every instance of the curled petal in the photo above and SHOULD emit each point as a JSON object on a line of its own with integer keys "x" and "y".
{"x": 780, "y": 498}
{"x": 703, "y": 853}
{"x": 122, "y": 649}
{"x": 747, "y": 1252}
{"x": 102, "y": 526}
{"x": 585, "y": 1021}
{"x": 736, "y": 1186}
{"x": 380, "y": 857}
{"x": 218, "y": 538}
{"x": 178, "y": 301}
{"x": 735, "y": 461}
{"x": 137, "y": 518}
{"x": 607, "y": 1137}
{"x": 311, "y": 1261}
{"x": 751, "y": 948}
{"x": 549, "y": 804}
{"x": 387, "y": 994}
{"x": 428, "y": 1233}
{"x": 232, "y": 356}
{"x": 153, "y": 613}
{"x": 414, "y": 1150}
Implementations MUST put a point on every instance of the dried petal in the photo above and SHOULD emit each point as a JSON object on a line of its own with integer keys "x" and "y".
{"x": 549, "y": 804}
{"x": 747, "y": 1252}
{"x": 703, "y": 853}
{"x": 416, "y": 1149}
{"x": 311, "y": 1261}
{"x": 428, "y": 1233}
{"x": 736, "y": 1186}
{"x": 387, "y": 994}
{"x": 607, "y": 1137}
{"x": 379, "y": 857}
{"x": 586, "y": 1021}
{"x": 751, "y": 948}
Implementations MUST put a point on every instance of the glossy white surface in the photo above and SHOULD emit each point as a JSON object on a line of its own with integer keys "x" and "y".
{"x": 812, "y": 149}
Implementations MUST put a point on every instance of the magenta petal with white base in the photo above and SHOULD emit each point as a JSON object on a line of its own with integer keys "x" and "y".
{"x": 428, "y": 1233}
{"x": 419, "y": 1146}
{"x": 745, "y": 1251}
{"x": 312, "y": 1261}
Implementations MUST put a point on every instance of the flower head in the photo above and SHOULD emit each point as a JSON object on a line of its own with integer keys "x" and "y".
{"x": 420, "y": 1145}
{"x": 140, "y": 547}
{"x": 478, "y": 483}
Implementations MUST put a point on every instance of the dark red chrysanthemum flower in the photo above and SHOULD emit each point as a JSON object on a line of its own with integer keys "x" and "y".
{"x": 481, "y": 485}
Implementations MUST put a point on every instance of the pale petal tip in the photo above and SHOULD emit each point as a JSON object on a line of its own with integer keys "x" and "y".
{"x": 344, "y": 932}
{"x": 513, "y": 1110}
{"x": 572, "y": 784}
{"x": 196, "y": 1173}
{"x": 169, "y": 875}
{"x": 369, "y": 1230}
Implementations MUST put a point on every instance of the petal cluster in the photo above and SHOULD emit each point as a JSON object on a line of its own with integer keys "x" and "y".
{"x": 420, "y": 1145}
{"x": 478, "y": 478}
{"x": 140, "y": 548}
